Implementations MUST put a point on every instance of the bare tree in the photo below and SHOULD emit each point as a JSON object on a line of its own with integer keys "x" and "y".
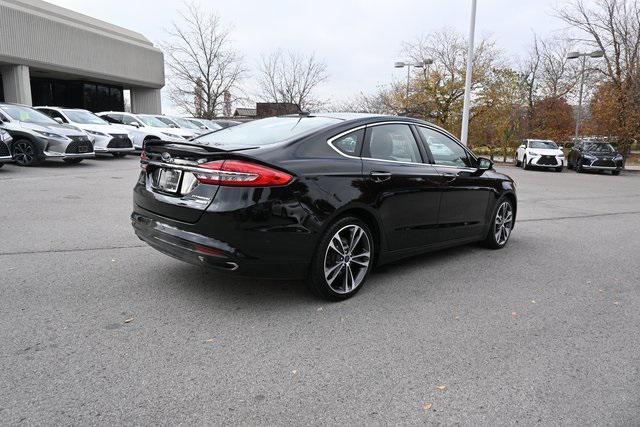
{"x": 201, "y": 61}
{"x": 291, "y": 77}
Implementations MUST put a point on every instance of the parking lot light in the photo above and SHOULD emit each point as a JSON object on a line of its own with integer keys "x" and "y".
{"x": 583, "y": 55}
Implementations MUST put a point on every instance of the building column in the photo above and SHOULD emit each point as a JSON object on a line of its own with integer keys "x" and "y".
{"x": 16, "y": 84}
{"x": 146, "y": 101}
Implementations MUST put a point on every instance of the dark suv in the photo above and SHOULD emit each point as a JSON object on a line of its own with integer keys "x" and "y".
{"x": 595, "y": 155}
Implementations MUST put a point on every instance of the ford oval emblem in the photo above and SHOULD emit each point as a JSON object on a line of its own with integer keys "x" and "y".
{"x": 166, "y": 157}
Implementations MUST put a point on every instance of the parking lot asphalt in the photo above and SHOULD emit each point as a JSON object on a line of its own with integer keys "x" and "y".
{"x": 98, "y": 328}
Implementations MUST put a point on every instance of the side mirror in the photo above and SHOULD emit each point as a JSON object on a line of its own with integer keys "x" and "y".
{"x": 522, "y": 146}
{"x": 135, "y": 124}
{"x": 561, "y": 147}
{"x": 484, "y": 164}
{"x": 59, "y": 120}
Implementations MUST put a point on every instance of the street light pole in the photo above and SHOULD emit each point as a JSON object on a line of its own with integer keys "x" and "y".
{"x": 408, "y": 65}
{"x": 467, "y": 85}
{"x": 583, "y": 55}
{"x": 579, "y": 114}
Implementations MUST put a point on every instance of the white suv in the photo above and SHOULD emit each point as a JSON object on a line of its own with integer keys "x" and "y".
{"x": 106, "y": 138}
{"x": 540, "y": 153}
{"x": 139, "y": 130}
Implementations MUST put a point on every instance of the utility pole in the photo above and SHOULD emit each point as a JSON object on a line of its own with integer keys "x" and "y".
{"x": 464, "y": 134}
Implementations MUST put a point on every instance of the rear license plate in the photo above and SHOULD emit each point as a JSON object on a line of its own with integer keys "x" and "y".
{"x": 168, "y": 180}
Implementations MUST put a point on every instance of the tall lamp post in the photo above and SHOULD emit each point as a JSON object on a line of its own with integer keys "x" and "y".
{"x": 464, "y": 133}
{"x": 408, "y": 65}
{"x": 583, "y": 55}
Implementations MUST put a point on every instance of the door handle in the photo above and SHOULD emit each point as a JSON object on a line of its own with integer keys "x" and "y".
{"x": 379, "y": 176}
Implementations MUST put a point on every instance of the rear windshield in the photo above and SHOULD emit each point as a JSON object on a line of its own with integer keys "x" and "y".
{"x": 266, "y": 131}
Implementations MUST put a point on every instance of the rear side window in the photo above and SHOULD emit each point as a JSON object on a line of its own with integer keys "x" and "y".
{"x": 445, "y": 151}
{"x": 263, "y": 132}
{"x": 392, "y": 142}
{"x": 350, "y": 143}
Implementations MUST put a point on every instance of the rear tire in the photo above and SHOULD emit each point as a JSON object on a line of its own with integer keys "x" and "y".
{"x": 26, "y": 153}
{"x": 72, "y": 161}
{"x": 343, "y": 260}
{"x": 502, "y": 222}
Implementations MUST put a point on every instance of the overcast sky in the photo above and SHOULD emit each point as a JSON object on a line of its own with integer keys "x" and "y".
{"x": 358, "y": 39}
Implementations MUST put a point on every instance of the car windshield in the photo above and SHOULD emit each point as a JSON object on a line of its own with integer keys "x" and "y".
{"x": 599, "y": 147}
{"x": 26, "y": 114}
{"x": 184, "y": 123}
{"x": 167, "y": 121}
{"x": 152, "y": 121}
{"x": 549, "y": 145}
{"x": 84, "y": 117}
{"x": 266, "y": 131}
{"x": 212, "y": 125}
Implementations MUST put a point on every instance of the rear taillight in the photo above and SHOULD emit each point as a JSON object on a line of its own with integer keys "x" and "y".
{"x": 144, "y": 160}
{"x": 238, "y": 173}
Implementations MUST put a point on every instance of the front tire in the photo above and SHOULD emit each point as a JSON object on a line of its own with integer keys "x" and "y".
{"x": 578, "y": 166}
{"x": 343, "y": 260}
{"x": 502, "y": 222}
{"x": 525, "y": 166}
{"x": 615, "y": 173}
{"x": 25, "y": 153}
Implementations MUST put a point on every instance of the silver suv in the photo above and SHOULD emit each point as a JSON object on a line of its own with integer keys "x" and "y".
{"x": 37, "y": 137}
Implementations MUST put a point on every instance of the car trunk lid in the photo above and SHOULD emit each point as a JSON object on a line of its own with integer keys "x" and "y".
{"x": 168, "y": 185}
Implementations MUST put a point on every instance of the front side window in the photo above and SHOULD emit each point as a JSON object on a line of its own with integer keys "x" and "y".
{"x": 445, "y": 151}
{"x": 128, "y": 120}
{"x": 393, "y": 142}
{"x": 26, "y": 114}
{"x": 350, "y": 143}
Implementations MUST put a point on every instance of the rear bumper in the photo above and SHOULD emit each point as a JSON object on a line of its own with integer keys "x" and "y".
{"x": 165, "y": 236}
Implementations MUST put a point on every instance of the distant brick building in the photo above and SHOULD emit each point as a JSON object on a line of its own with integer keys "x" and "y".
{"x": 266, "y": 109}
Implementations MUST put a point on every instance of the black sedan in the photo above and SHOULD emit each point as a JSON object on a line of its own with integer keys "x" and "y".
{"x": 325, "y": 197}
{"x": 596, "y": 156}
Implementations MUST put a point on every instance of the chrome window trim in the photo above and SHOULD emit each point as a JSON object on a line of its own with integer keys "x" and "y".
{"x": 396, "y": 122}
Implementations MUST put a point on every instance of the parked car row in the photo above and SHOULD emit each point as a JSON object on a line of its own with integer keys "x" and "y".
{"x": 584, "y": 156}
{"x": 30, "y": 135}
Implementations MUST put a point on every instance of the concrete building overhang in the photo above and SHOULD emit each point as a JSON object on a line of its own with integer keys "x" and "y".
{"x": 48, "y": 37}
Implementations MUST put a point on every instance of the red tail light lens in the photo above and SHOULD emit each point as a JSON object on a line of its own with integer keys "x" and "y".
{"x": 144, "y": 159}
{"x": 238, "y": 173}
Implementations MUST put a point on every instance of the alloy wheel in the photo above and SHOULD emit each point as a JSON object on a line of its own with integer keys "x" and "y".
{"x": 503, "y": 223}
{"x": 347, "y": 259}
{"x": 23, "y": 153}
